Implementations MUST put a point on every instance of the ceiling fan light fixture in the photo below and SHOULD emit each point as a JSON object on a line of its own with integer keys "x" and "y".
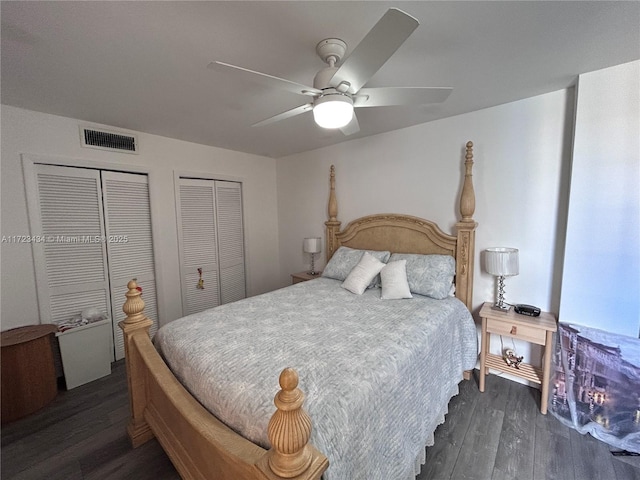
{"x": 333, "y": 110}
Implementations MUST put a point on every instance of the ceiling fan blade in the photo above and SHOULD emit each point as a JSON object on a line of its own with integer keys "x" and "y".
{"x": 374, "y": 50}
{"x": 281, "y": 116}
{"x": 352, "y": 127}
{"x": 387, "y": 96}
{"x": 265, "y": 79}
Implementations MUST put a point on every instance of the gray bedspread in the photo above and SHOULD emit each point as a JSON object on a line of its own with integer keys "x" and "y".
{"x": 377, "y": 374}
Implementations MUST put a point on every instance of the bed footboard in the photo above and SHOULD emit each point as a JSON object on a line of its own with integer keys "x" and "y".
{"x": 198, "y": 444}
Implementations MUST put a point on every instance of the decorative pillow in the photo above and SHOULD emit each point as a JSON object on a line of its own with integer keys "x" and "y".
{"x": 360, "y": 277}
{"x": 345, "y": 258}
{"x": 430, "y": 275}
{"x": 394, "y": 281}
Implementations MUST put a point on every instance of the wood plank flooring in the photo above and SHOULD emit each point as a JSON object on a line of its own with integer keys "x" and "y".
{"x": 496, "y": 435}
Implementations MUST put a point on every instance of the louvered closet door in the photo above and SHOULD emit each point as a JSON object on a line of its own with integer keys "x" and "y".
{"x": 71, "y": 266}
{"x": 129, "y": 246}
{"x": 198, "y": 245}
{"x": 230, "y": 241}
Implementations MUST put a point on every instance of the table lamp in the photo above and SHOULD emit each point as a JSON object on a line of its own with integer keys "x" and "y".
{"x": 312, "y": 245}
{"x": 501, "y": 262}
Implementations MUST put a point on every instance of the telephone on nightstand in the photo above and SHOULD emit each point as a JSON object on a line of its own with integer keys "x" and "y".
{"x": 528, "y": 310}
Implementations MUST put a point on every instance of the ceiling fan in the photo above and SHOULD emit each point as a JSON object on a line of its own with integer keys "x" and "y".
{"x": 337, "y": 90}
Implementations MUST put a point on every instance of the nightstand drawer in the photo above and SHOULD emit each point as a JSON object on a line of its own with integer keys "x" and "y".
{"x": 516, "y": 330}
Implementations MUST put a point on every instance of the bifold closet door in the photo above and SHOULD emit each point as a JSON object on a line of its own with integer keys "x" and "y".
{"x": 70, "y": 255}
{"x": 230, "y": 241}
{"x": 95, "y": 228}
{"x": 211, "y": 243}
{"x": 129, "y": 246}
{"x": 198, "y": 245}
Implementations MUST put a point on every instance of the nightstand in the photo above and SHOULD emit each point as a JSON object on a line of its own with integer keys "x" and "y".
{"x": 303, "y": 277}
{"x": 538, "y": 330}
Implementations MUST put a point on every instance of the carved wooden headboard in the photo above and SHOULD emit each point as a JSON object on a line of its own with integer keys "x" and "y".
{"x": 408, "y": 234}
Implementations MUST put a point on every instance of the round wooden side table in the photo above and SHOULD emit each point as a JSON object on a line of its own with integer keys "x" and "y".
{"x": 28, "y": 371}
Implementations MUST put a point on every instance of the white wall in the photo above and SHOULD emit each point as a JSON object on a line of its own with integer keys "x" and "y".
{"x": 522, "y": 157}
{"x": 601, "y": 277}
{"x": 31, "y": 132}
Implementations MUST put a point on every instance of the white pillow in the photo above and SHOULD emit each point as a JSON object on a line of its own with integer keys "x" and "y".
{"x": 361, "y": 275}
{"x": 394, "y": 281}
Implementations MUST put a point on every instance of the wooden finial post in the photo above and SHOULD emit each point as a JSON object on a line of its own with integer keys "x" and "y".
{"x": 135, "y": 324}
{"x": 333, "y": 224}
{"x": 333, "y": 203}
{"x": 289, "y": 429}
{"x": 466, "y": 227}
{"x": 468, "y": 197}
{"x": 134, "y": 306}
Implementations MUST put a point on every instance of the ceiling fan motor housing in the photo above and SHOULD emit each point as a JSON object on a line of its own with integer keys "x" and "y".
{"x": 323, "y": 77}
{"x": 331, "y": 51}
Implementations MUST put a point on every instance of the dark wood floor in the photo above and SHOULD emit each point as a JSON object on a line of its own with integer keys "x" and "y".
{"x": 497, "y": 435}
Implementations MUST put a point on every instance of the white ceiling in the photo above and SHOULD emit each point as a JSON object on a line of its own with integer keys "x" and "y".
{"x": 143, "y": 65}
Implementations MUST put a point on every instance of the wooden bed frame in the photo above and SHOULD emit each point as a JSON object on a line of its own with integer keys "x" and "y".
{"x": 202, "y": 447}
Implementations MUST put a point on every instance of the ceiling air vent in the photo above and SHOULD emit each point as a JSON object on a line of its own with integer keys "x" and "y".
{"x": 105, "y": 140}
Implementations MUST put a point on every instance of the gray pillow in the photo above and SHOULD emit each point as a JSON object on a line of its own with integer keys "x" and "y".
{"x": 429, "y": 275}
{"x": 345, "y": 258}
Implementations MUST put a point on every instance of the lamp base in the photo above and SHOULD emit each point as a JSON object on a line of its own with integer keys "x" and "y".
{"x": 504, "y": 308}
{"x": 313, "y": 273}
{"x": 500, "y": 304}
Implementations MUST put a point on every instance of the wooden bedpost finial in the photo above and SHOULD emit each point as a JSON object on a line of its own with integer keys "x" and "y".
{"x": 470, "y": 147}
{"x": 288, "y": 381}
{"x": 333, "y": 203}
{"x": 466, "y": 227}
{"x": 468, "y": 197}
{"x": 134, "y": 306}
{"x": 134, "y": 325}
{"x": 333, "y": 224}
{"x": 289, "y": 429}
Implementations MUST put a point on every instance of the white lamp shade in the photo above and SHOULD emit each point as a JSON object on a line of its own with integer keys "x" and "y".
{"x": 312, "y": 245}
{"x": 501, "y": 261}
{"x": 333, "y": 111}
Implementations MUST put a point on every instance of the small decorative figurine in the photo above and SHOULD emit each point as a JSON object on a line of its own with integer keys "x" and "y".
{"x": 511, "y": 359}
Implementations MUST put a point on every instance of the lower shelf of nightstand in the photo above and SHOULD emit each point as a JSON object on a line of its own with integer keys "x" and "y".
{"x": 526, "y": 371}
